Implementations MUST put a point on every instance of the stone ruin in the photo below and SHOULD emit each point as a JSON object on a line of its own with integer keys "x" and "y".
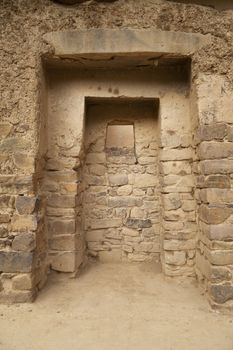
{"x": 133, "y": 162}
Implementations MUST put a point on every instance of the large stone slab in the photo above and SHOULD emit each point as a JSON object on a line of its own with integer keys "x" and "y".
{"x": 105, "y": 42}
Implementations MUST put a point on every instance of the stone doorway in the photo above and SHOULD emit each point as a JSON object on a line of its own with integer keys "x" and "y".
{"x": 121, "y": 202}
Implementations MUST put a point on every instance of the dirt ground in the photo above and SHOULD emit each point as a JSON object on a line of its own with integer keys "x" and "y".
{"x": 115, "y": 307}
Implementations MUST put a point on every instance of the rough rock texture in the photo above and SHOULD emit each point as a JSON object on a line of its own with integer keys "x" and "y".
{"x": 201, "y": 159}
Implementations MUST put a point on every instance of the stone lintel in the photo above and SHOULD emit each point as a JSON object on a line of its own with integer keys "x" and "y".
{"x": 106, "y": 44}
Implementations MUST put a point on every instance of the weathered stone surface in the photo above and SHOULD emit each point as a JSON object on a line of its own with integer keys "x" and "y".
{"x": 62, "y": 176}
{"x": 216, "y": 195}
{"x": 214, "y": 215}
{"x": 212, "y": 131}
{"x": 124, "y": 190}
{"x": 214, "y": 181}
{"x": 176, "y": 154}
{"x": 220, "y": 257}
{"x": 230, "y": 133}
{"x": 61, "y": 226}
{"x": 177, "y": 258}
{"x": 25, "y": 204}
{"x": 124, "y": 41}
{"x": 24, "y": 242}
{"x": 145, "y": 180}
{"x": 23, "y": 223}
{"x": 24, "y": 161}
{"x": 6, "y": 201}
{"x": 220, "y": 273}
{"x": 174, "y": 244}
{"x": 10, "y": 144}
{"x": 103, "y": 223}
{"x": 130, "y": 232}
{"x": 22, "y": 282}
{"x": 171, "y": 201}
{"x": 175, "y": 167}
{"x": 16, "y": 261}
{"x": 215, "y": 150}
{"x": 138, "y": 223}
{"x": 221, "y": 232}
{"x": 64, "y": 262}
{"x": 137, "y": 213}
{"x": 61, "y": 201}
{"x": 124, "y": 201}
{"x": 5, "y": 129}
{"x": 4, "y": 218}
{"x": 118, "y": 179}
{"x": 96, "y": 158}
{"x": 95, "y": 235}
{"x": 63, "y": 242}
{"x": 97, "y": 169}
{"x": 223, "y": 166}
{"x": 221, "y": 292}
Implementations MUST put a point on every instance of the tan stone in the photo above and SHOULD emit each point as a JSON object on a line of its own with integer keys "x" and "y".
{"x": 24, "y": 161}
{"x": 175, "y": 167}
{"x": 103, "y": 223}
{"x": 174, "y": 244}
{"x": 61, "y": 201}
{"x": 95, "y": 235}
{"x": 223, "y": 166}
{"x": 145, "y": 180}
{"x": 210, "y": 132}
{"x": 24, "y": 242}
{"x": 215, "y": 150}
{"x": 63, "y": 242}
{"x": 5, "y": 129}
{"x": 63, "y": 262}
{"x": 23, "y": 223}
{"x": 176, "y": 154}
{"x": 214, "y": 215}
{"x": 23, "y": 282}
{"x": 125, "y": 190}
{"x": 95, "y": 158}
{"x": 216, "y": 195}
{"x": 177, "y": 258}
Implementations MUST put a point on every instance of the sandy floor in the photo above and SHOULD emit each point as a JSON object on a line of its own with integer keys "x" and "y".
{"x": 115, "y": 307}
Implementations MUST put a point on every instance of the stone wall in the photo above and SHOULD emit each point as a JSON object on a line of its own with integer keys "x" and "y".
{"x": 122, "y": 194}
{"x": 214, "y": 188}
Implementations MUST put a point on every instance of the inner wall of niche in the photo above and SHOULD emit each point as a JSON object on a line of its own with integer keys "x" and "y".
{"x": 121, "y": 209}
{"x": 117, "y": 168}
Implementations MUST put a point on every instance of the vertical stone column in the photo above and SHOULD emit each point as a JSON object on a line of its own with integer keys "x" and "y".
{"x": 177, "y": 185}
{"x": 215, "y": 194}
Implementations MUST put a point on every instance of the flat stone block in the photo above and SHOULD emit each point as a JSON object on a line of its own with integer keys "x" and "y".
{"x": 23, "y": 282}
{"x": 24, "y": 242}
{"x": 215, "y": 150}
{"x": 63, "y": 242}
{"x": 25, "y": 204}
{"x": 60, "y": 226}
{"x": 23, "y": 223}
{"x": 64, "y": 262}
{"x": 16, "y": 261}
{"x": 61, "y": 201}
{"x": 138, "y": 223}
{"x": 103, "y": 223}
{"x": 145, "y": 180}
{"x": 222, "y": 166}
{"x": 221, "y": 293}
{"x": 118, "y": 179}
{"x": 214, "y": 215}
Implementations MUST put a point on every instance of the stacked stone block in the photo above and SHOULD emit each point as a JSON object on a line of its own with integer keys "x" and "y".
{"x": 121, "y": 201}
{"x": 19, "y": 225}
{"x": 214, "y": 184}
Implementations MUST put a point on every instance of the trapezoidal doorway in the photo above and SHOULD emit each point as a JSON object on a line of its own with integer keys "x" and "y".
{"x": 121, "y": 211}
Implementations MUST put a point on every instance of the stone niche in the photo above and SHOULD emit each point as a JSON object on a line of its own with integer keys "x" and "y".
{"x": 118, "y": 179}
